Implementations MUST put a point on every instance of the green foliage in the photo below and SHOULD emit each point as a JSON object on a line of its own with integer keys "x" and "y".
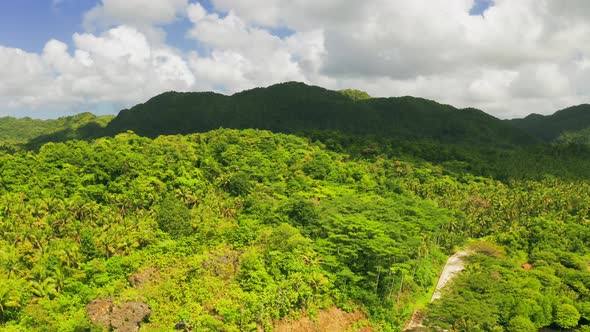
{"x": 10, "y": 300}
{"x": 228, "y": 230}
{"x": 530, "y": 162}
{"x": 302, "y": 213}
{"x": 566, "y": 316}
{"x": 237, "y": 229}
{"x": 521, "y": 324}
{"x": 174, "y": 217}
{"x": 575, "y": 137}
{"x": 239, "y": 185}
{"x": 574, "y": 121}
{"x": 36, "y": 132}
{"x": 355, "y": 94}
{"x": 295, "y": 107}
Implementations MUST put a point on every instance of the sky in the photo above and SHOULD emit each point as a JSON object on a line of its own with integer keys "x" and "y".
{"x": 508, "y": 58}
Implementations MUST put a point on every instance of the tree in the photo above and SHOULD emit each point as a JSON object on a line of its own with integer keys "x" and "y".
{"x": 355, "y": 94}
{"x": 566, "y": 316}
{"x": 174, "y": 217}
{"x": 521, "y": 324}
{"x": 302, "y": 213}
{"x": 9, "y": 300}
{"x": 238, "y": 185}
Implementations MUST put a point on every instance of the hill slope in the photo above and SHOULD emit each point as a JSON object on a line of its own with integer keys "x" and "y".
{"x": 223, "y": 231}
{"x": 295, "y": 107}
{"x": 249, "y": 230}
{"x": 551, "y": 127}
{"x": 246, "y": 230}
{"x": 23, "y": 130}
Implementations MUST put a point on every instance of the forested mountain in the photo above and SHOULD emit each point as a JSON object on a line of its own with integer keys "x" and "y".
{"x": 295, "y": 107}
{"x": 298, "y": 108}
{"x": 352, "y": 122}
{"x": 344, "y": 226}
{"x": 573, "y": 121}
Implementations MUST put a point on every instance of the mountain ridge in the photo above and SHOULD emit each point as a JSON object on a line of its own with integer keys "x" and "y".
{"x": 551, "y": 127}
{"x": 293, "y": 107}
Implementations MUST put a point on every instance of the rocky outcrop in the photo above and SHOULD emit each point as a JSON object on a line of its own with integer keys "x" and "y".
{"x": 125, "y": 317}
{"x": 99, "y": 312}
{"x": 330, "y": 319}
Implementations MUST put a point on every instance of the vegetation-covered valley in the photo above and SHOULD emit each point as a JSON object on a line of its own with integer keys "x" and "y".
{"x": 249, "y": 230}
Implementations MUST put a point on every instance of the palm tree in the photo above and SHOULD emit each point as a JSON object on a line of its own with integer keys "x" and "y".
{"x": 44, "y": 288}
{"x": 9, "y": 299}
{"x": 9, "y": 261}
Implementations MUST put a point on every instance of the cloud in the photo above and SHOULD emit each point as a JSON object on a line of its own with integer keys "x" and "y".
{"x": 147, "y": 16}
{"x": 517, "y": 57}
{"x": 244, "y": 56}
{"x": 22, "y": 74}
{"x": 516, "y": 50}
{"x": 118, "y": 66}
{"x": 299, "y": 14}
{"x": 56, "y": 3}
{"x": 140, "y": 12}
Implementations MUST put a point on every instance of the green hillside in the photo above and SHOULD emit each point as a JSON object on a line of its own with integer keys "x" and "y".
{"x": 551, "y": 127}
{"x": 576, "y": 137}
{"x": 338, "y": 217}
{"x": 244, "y": 230}
{"x": 25, "y": 130}
{"x": 234, "y": 229}
{"x": 295, "y": 107}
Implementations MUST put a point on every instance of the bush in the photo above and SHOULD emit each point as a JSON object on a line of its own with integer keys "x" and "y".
{"x": 174, "y": 217}
{"x": 239, "y": 185}
{"x": 566, "y": 316}
{"x": 521, "y": 324}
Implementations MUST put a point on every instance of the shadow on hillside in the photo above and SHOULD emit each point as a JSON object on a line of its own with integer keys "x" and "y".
{"x": 86, "y": 132}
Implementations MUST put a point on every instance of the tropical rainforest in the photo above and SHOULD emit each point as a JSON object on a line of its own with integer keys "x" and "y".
{"x": 292, "y": 207}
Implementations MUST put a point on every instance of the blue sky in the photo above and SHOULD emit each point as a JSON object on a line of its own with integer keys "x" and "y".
{"x": 29, "y": 24}
{"x": 508, "y": 58}
{"x": 480, "y": 6}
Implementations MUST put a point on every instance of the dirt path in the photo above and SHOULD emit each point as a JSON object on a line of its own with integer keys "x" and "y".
{"x": 453, "y": 266}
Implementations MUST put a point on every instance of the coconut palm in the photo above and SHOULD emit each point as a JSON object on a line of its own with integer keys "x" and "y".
{"x": 9, "y": 299}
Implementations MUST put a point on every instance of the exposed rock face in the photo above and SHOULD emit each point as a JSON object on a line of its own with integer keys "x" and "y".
{"x": 120, "y": 318}
{"x": 331, "y": 319}
{"x": 126, "y": 318}
{"x": 99, "y": 312}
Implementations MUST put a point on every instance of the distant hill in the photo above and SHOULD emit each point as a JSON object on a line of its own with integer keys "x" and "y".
{"x": 296, "y": 107}
{"x": 25, "y": 130}
{"x": 573, "y": 122}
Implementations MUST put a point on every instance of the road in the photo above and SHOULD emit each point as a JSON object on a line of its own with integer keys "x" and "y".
{"x": 453, "y": 266}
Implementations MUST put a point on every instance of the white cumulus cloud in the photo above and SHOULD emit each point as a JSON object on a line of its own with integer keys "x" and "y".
{"x": 519, "y": 51}
{"x": 517, "y": 57}
{"x": 140, "y": 12}
{"x": 117, "y": 66}
{"x": 244, "y": 56}
{"x": 145, "y": 15}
